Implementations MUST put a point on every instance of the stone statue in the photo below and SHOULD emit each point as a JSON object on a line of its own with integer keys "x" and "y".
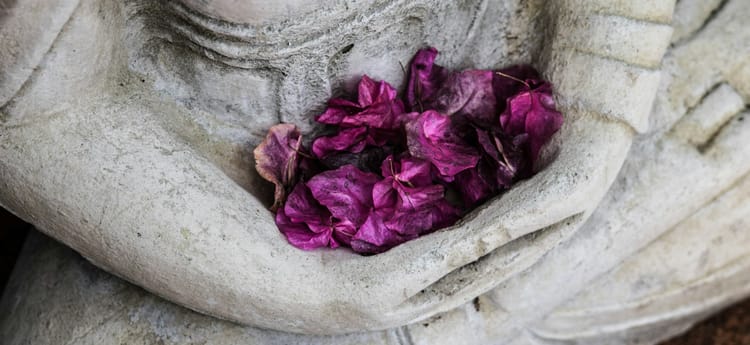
{"x": 126, "y": 130}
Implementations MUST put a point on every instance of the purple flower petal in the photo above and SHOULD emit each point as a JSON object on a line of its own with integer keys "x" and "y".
{"x": 304, "y": 222}
{"x": 532, "y": 113}
{"x": 468, "y": 94}
{"x": 420, "y": 221}
{"x": 412, "y": 171}
{"x": 476, "y": 185}
{"x": 424, "y": 78}
{"x": 300, "y": 235}
{"x": 433, "y": 137}
{"x": 406, "y": 205}
{"x": 276, "y": 159}
{"x": 506, "y": 158}
{"x": 508, "y": 82}
{"x": 377, "y": 107}
{"x": 346, "y": 192}
{"x": 347, "y": 140}
{"x": 375, "y": 237}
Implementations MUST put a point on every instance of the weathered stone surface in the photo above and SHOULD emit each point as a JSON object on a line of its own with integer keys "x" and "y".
{"x": 132, "y": 146}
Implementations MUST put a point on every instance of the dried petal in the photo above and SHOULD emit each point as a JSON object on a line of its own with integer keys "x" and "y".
{"x": 411, "y": 171}
{"x": 276, "y": 159}
{"x": 476, "y": 185}
{"x": 304, "y": 222}
{"x": 510, "y": 81}
{"x": 375, "y": 237}
{"x": 504, "y": 156}
{"x": 468, "y": 94}
{"x": 424, "y": 78}
{"x": 377, "y": 107}
{"x": 346, "y": 192}
{"x": 532, "y": 113}
{"x": 347, "y": 140}
{"x": 433, "y": 137}
{"x": 406, "y": 205}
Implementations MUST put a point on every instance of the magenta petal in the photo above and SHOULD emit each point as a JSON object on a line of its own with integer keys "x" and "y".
{"x": 379, "y": 115}
{"x": 347, "y": 140}
{"x": 433, "y": 137}
{"x": 377, "y": 107}
{"x": 412, "y": 171}
{"x": 424, "y": 78}
{"x": 375, "y": 237}
{"x": 371, "y": 92}
{"x": 476, "y": 185}
{"x": 346, "y": 192}
{"x": 506, "y": 158}
{"x": 418, "y": 197}
{"x": 422, "y": 221}
{"x": 384, "y": 196}
{"x": 337, "y": 110}
{"x": 304, "y": 222}
{"x": 276, "y": 159}
{"x": 532, "y": 113}
{"x": 468, "y": 94}
{"x": 508, "y": 82}
{"x": 301, "y": 207}
{"x": 300, "y": 235}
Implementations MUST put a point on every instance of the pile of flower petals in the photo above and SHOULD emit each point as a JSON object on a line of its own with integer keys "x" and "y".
{"x": 392, "y": 170}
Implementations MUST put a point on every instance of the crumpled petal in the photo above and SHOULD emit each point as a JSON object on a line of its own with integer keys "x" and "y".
{"x": 436, "y": 215}
{"x": 385, "y": 229}
{"x": 425, "y": 77}
{"x": 300, "y": 235}
{"x": 476, "y": 185}
{"x": 276, "y": 159}
{"x": 508, "y": 82}
{"x": 347, "y": 140}
{"x": 532, "y": 113}
{"x": 377, "y": 107}
{"x": 346, "y": 192}
{"x": 468, "y": 94}
{"x": 433, "y": 137}
{"x": 305, "y": 223}
{"x": 375, "y": 237}
{"x": 412, "y": 171}
{"x": 505, "y": 155}
{"x": 406, "y": 205}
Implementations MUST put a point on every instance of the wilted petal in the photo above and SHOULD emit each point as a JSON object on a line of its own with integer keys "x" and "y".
{"x": 384, "y": 196}
{"x": 424, "y": 78}
{"x": 300, "y": 235}
{"x": 424, "y": 220}
{"x": 346, "y": 192}
{"x": 337, "y": 110}
{"x": 477, "y": 184}
{"x": 304, "y": 222}
{"x": 504, "y": 156}
{"x": 347, "y": 140}
{"x": 301, "y": 207}
{"x": 532, "y": 113}
{"x": 411, "y": 171}
{"x": 510, "y": 81}
{"x": 468, "y": 94}
{"x": 377, "y": 107}
{"x": 375, "y": 237}
{"x": 433, "y": 137}
{"x": 276, "y": 159}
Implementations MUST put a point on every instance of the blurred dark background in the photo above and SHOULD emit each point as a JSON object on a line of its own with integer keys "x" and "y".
{"x": 730, "y": 327}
